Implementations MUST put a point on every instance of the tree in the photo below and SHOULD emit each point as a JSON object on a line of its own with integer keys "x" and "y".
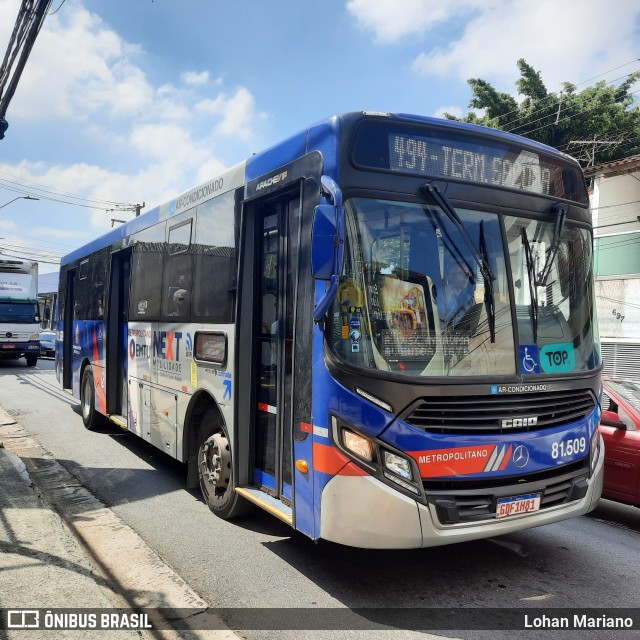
{"x": 598, "y": 124}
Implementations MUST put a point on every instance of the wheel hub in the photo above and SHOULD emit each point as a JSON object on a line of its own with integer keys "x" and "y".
{"x": 216, "y": 462}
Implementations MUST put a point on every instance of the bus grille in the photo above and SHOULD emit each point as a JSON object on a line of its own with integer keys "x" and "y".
{"x": 472, "y": 506}
{"x": 487, "y": 414}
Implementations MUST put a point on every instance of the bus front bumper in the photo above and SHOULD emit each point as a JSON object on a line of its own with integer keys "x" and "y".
{"x": 361, "y": 511}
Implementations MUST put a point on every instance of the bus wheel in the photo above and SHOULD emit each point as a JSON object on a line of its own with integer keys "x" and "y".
{"x": 32, "y": 358}
{"x": 88, "y": 400}
{"x": 216, "y": 474}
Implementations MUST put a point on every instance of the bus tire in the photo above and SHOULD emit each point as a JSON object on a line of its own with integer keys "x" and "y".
{"x": 215, "y": 470}
{"x": 32, "y": 358}
{"x": 88, "y": 400}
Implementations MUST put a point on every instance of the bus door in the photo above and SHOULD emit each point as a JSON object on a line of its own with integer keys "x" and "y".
{"x": 277, "y": 231}
{"x": 117, "y": 316}
{"x": 68, "y": 333}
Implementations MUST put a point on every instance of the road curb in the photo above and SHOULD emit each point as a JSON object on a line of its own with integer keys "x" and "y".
{"x": 138, "y": 575}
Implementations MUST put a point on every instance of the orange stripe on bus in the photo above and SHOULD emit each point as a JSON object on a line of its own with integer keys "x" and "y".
{"x": 352, "y": 469}
{"x": 328, "y": 459}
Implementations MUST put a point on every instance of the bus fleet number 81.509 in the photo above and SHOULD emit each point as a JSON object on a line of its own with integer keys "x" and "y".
{"x": 568, "y": 448}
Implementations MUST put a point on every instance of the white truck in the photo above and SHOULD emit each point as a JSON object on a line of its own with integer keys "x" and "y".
{"x": 19, "y": 317}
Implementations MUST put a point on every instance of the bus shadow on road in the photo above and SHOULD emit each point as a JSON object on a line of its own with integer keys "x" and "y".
{"x": 617, "y": 515}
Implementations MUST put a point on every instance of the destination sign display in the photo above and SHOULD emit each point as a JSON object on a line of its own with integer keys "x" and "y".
{"x": 435, "y": 157}
{"x": 461, "y": 156}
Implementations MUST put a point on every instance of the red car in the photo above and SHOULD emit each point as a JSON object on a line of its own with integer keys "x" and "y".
{"x": 620, "y": 428}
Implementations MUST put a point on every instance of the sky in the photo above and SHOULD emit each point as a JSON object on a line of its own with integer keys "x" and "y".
{"x": 125, "y": 102}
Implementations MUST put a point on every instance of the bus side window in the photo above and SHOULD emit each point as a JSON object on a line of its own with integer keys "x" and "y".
{"x": 146, "y": 286}
{"x": 214, "y": 285}
{"x": 177, "y": 289}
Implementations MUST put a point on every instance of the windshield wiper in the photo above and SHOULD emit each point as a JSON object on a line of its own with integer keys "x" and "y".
{"x": 481, "y": 259}
{"x": 445, "y": 204}
{"x": 489, "y": 296}
{"x": 561, "y": 212}
{"x": 533, "y": 284}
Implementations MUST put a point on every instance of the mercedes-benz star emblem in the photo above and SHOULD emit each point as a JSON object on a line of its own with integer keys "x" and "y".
{"x": 520, "y": 456}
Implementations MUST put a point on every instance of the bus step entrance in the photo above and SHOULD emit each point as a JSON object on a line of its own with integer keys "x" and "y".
{"x": 268, "y": 503}
{"x": 121, "y": 421}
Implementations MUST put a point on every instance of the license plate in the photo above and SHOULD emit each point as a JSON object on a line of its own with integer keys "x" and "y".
{"x": 8, "y": 346}
{"x": 517, "y": 504}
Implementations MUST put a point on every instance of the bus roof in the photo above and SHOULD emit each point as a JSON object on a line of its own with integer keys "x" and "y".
{"x": 287, "y": 150}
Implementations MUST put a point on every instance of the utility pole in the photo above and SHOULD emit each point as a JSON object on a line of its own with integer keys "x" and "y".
{"x": 28, "y": 23}
{"x": 126, "y": 207}
{"x": 591, "y": 157}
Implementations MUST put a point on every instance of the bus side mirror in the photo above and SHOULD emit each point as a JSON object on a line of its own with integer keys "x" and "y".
{"x": 327, "y": 244}
{"x": 323, "y": 241}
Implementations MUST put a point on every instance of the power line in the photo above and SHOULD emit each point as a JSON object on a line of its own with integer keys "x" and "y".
{"x": 20, "y": 235}
{"x": 615, "y": 224}
{"x": 619, "y": 204}
{"x": 579, "y": 112}
{"x": 32, "y": 185}
{"x": 53, "y": 13}
{"x": 524, "y": 120}
{"x": 566, "y": 108}
{"x": 533, "y": 102}
{"x": 624, "y": 302}
{"x": 118, "y": 206}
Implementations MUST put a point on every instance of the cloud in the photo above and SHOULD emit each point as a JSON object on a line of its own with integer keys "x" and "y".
{"x": 561, "y": 39}
{"x": 194, "y": 78}
{"x": 567, "y": 41}
{"x": 237, "y": 113}
{"x": 78, "y": 67}
{"x": 454, "y": 111}
{"x": 139, "y": 141}
{"x": 391, "y": 20}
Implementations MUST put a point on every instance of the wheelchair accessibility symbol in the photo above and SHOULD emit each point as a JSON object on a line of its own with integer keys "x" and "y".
{"x": 529, "y": 359}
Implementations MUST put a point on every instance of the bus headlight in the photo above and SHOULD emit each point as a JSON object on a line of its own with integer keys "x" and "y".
{"x": 35, "y": 336}
{"x": 398, "y": 470}
{"x": 398, "y": 465}
{"x": 385, "y": 464}
{"x": 357, "y": 444}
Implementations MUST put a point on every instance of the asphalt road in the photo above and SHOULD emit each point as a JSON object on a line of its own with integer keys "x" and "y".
{"x": 592, "y": 561}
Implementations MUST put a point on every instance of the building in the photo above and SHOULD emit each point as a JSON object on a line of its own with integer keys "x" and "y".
{"x": 47, "y": 298}
{"x": 615, "y": 204}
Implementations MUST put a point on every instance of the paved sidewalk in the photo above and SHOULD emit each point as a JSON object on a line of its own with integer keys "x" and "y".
{"x": 61, "y": 548}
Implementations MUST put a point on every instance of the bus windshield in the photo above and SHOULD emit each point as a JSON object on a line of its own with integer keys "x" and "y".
{"x": 412, "y": 299}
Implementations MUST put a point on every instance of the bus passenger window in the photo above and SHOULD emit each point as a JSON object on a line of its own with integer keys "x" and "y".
{"x": 179, "y": 302}
{"x": 146, "y": 285}
{"x": 177, "y": 287}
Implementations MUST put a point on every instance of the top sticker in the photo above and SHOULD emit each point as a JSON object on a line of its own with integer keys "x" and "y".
{"x": 558, "y": 358}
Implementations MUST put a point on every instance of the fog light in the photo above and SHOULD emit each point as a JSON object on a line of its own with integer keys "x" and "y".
{"x": 405, "y": 485}
{"x": 397, "y": 464}
{"x": 357, "y": 444}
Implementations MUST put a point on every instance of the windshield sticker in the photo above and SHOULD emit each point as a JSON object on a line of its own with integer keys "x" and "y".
{"x": 558, "y": 358}
{"x": 517, "y": 388}
{"x": 529, "y": 359}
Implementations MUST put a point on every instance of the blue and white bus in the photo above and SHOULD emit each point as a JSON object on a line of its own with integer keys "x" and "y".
{"x": 294, "y": 331}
